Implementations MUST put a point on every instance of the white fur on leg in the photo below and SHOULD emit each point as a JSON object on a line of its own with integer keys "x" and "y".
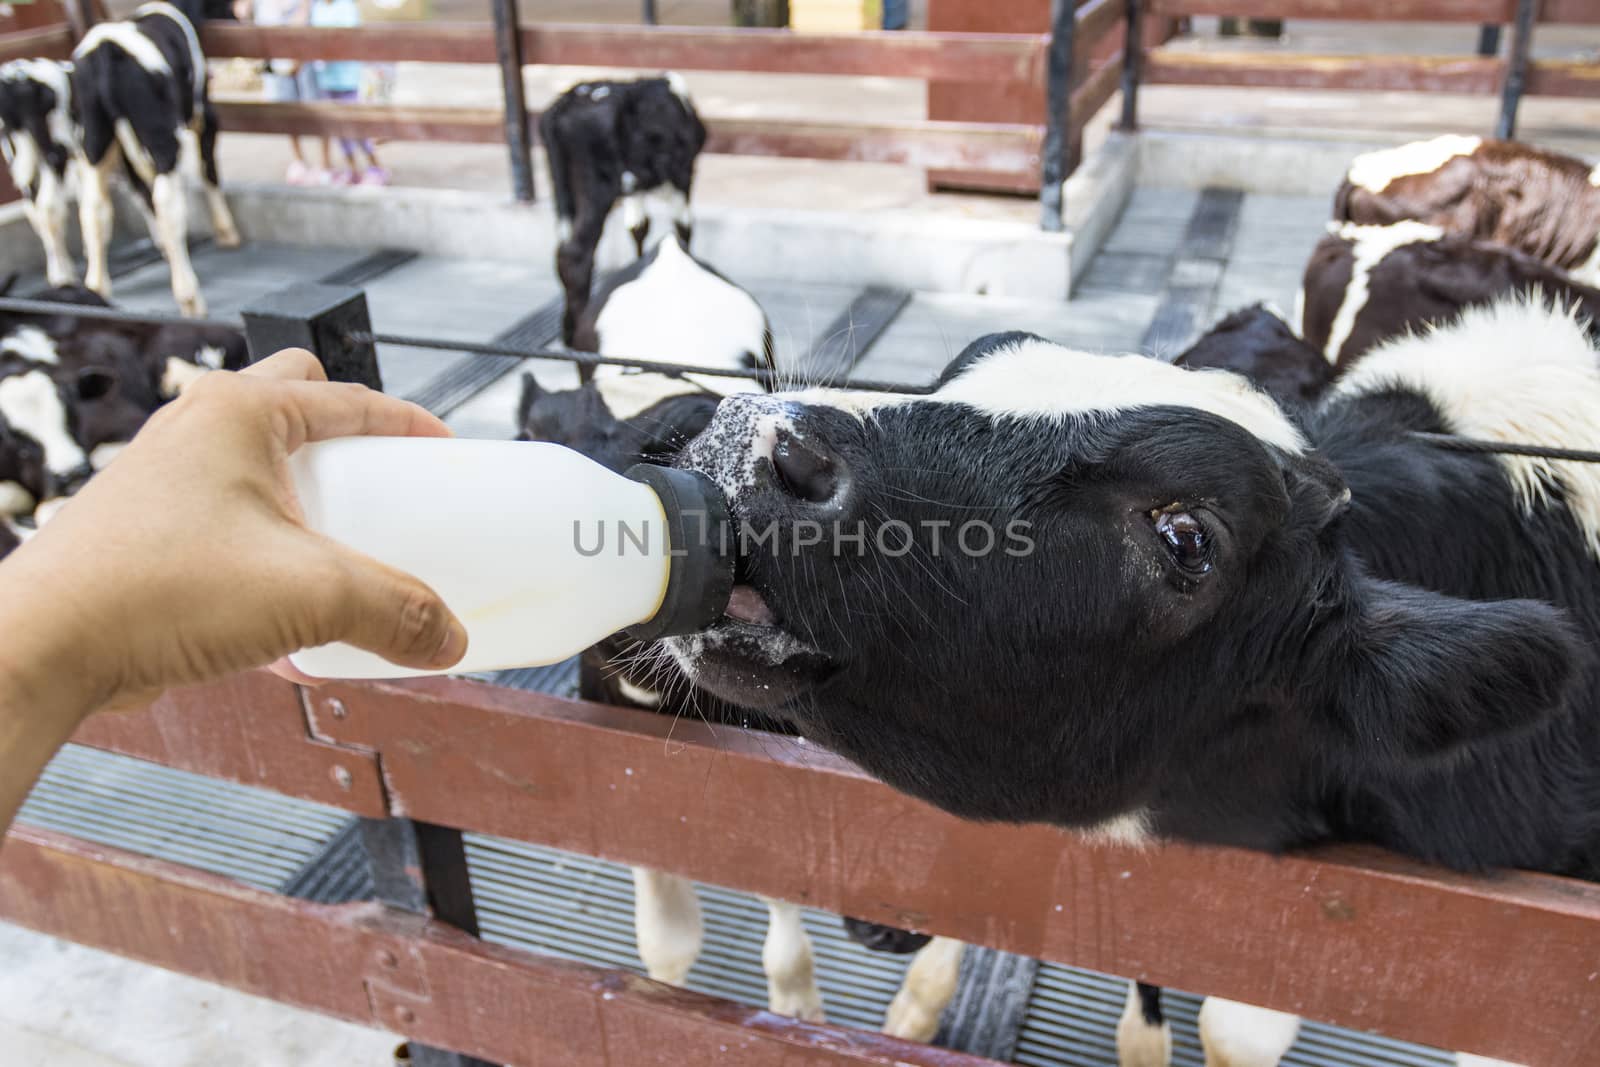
{"x": 667, "y": 924}
{"x": 1139, "y": 1044}
{"x": 1242, "y": 1035}
{"x": 929, "y": 984}
{"x": 222, "y": 224}
{"x": 94, "y": 217}
{"x": 791, "y": 971}
{"x": 48, "y": 214}
{"x": 172, "y": 218}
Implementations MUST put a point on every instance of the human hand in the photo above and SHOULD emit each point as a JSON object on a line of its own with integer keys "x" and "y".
{"x": 187, "y": 558}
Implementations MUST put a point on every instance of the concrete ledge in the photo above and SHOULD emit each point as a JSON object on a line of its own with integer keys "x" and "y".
{"x": 1095, "y": 196}
{"x": 1308, "y": 167}
{"x": 925, "y": 252}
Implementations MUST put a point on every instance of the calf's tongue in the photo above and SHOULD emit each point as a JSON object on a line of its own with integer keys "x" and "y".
{"x": 747, "y": 605}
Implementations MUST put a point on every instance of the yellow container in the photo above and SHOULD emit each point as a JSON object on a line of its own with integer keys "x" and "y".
{"x": 835, "y": 16}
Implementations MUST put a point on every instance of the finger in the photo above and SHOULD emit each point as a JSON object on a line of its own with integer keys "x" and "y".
{"x": 396, "y": 616}
{"x": 289, "y": 672}
{"x": 290, "y": 365}
{"x": 343, "y": 410}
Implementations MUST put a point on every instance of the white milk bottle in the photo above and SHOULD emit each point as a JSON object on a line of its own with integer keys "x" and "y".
{"x": 539, "y": 551}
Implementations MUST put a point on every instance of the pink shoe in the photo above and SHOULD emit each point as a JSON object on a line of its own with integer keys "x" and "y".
{"x": 375, "y": 176}
{"x": 341, "y": 177}
{"x": 299, "y": 174}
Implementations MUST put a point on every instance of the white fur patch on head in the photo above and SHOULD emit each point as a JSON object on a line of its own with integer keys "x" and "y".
{"x": 30, "y": 343}
{"x": 1371, "y": 244}
{"x": 1518, "y": 372}
{"x": 1034, "y": 379}
{"x": 679, "y": 87}
{"x": 30, "y": 404}
{"x": 1235, "y": 1033}
{"x": 1374, "y": 171}
{"x": 210, "y": 357}
{"x": 628, "y": 392}
{"x": 679, "y": 312}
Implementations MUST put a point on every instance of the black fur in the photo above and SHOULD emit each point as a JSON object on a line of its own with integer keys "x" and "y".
{"x": 1257, "y": 344}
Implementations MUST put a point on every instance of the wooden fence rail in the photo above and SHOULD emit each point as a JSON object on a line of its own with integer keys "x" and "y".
{"x": 1504, "y": 967}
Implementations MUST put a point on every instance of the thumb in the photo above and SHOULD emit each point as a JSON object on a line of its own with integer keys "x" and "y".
{"x": 398, "y": 617}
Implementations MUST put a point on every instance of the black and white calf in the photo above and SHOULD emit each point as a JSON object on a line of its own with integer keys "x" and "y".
{"x": 1162, "y": 609}
{"x": 142, "y": 102}
{"x": 38, "y": 138}
{"x": 610, "y": 140}
{"x": 1366, "y": 284}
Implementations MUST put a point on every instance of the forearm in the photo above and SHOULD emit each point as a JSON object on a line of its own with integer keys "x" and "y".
{"x": 48, "y": 683}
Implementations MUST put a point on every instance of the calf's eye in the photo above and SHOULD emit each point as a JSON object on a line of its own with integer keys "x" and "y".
{"x": 1186, "y": 538}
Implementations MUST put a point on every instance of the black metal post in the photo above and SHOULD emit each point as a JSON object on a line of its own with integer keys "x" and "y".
{"x": 508, "y": 51}
{"x": 1489, "y": 39}
{"x": 1132, "y": 66}
{"x": 1516, "y": 68}
{"x": 422, "y": 868}
{"x": 650, "y": 12}
{"x": 1057, "y": 114}
{"x": 80, "y": 17}
{"x": 319, "y": 318}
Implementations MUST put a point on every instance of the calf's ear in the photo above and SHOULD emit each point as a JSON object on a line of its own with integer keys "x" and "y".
{"x": 1420, "y": 674}
{"x": 530, "y": 393}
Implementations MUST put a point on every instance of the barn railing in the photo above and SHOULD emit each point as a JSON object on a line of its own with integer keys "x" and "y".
{"x": 1502, "y": 966}
{"x": 1512, "y": 77}
{"x": 1078, "y": 81}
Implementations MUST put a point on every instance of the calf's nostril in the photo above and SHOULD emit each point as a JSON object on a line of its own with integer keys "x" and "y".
{"x": 803, "y": 470}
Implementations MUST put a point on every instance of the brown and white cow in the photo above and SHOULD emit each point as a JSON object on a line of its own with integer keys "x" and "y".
{"x": 1541, "y": 203}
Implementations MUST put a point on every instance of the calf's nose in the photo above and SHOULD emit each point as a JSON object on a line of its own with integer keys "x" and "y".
{"x": 804, "y": 469}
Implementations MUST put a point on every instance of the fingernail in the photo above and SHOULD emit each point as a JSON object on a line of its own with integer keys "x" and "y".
{"x": 453, "y": 647}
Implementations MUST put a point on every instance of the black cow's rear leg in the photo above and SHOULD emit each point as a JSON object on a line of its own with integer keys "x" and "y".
{"x": 575, "y": 261}
{"x": 222, "y": 224}
{"x": 1144, "y": 1037}
{"x": 682, "y": 219}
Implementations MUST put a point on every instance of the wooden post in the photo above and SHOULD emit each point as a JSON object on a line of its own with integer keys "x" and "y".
{"x": 1516, "y": 68}
{"x": 318, "y": 318}
{"x": 1132, "y": 66}
{"x": 508, "y": 51}
{"x": 1057, "y": 114}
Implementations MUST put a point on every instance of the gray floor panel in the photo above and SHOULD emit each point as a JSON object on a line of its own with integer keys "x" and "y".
{"x": 230, "y": 278}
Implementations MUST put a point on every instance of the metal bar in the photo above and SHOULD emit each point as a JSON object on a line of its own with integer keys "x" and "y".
{"x": 24, "y": 306}
{"x": 589, "y": 359}
{"x": 508, "y": 52}
{"x": 1516, "y": 69}
{"x": 1515, "y": 982}
{"x": 1057, "y": 108}
{"x": 988, "y": 57}
{"x": 1289, "y": 71}
{"x": 384, "y": 968}
{"x": 1132, "y": 65}
{"x": 1489, "y": 39}
{"x": 80, "y": 16}
{"x": 649, "y": 13}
